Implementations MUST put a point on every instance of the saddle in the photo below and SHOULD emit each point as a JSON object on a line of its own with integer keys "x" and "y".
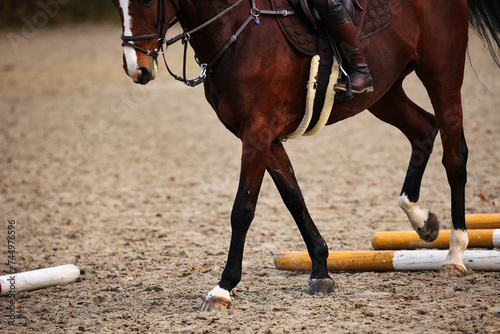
{"x": 307, "y": 34}
{"x": 306, "y": 31}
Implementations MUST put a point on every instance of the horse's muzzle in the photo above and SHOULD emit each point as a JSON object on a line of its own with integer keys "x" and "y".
{"x": 141, "y": 75}
{"x": 144, "y": 77}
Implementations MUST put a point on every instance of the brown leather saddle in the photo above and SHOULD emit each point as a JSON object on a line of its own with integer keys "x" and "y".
{"x": 304, "y": 31}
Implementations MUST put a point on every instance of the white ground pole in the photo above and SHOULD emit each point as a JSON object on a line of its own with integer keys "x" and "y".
{"x": 402, "y": 260}
{"x": 480, "y": 260}
{"x": 38, "y": 279}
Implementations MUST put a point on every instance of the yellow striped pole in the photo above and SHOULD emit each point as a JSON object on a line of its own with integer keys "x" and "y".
{"x": 483, "y": 221}
{"x": 410, "y": 240}
{"x": 405, "y": 260}
{"x": 337, "y": 261}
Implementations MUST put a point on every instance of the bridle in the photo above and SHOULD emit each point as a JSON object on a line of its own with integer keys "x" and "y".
{"x": 162, "y": 44}
{"x": 206, "y": 68}
{"x": 159, "y": 35}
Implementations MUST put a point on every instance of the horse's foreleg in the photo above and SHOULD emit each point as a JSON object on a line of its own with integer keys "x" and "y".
{"x": 281, "y": 171}
{"x": 420, "y": 127}
{"x": 255, "y": 155}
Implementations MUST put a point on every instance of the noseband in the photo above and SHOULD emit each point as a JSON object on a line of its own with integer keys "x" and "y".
{"x": 163, "y": 25}
{"x": 159, "y": 35}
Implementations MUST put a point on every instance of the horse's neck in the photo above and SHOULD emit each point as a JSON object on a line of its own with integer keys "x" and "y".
{"x": 209, "y": 40}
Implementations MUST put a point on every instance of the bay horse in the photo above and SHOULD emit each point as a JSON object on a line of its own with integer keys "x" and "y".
{"x": 256, "y": 83}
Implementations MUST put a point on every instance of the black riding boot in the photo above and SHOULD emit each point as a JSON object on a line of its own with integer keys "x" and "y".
{"x": 345, "y": 35}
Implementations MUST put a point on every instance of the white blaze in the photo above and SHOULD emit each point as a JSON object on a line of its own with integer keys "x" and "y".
{"x": 130, "y": 55}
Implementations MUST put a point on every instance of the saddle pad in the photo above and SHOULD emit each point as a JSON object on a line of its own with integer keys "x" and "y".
{"x": 377, "y": 15}
{"x": 296, "y": 28}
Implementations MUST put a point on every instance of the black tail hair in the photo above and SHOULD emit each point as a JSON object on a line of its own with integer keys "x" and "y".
{"x": 484, "y": 18}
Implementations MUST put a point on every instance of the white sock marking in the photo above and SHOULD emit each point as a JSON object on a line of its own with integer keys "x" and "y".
{"x": 415, "y": 214}
{"x": 458, "y": 244}
{"x": 218, "y": 292}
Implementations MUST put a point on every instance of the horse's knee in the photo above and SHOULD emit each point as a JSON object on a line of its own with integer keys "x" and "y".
{"x": 294, "y": 202}
{"x": 242, "y": 216}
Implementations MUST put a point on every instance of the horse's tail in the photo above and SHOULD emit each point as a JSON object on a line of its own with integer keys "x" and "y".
{"x": 484, "y": 18}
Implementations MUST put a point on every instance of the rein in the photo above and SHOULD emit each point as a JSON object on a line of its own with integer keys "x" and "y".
{"x": 161, "y": 30}
{"x": 206, "y": 68}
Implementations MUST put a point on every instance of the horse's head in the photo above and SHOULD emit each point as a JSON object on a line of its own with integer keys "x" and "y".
{"x": 144, "y": 23}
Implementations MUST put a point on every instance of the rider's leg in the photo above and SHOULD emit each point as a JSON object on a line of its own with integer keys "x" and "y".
{"x": 343, "y": 31}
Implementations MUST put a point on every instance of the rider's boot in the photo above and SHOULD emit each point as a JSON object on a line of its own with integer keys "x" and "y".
{"x": 345, "y": 35}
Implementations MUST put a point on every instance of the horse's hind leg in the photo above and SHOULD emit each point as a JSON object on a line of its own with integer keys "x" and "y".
{"x": 420, "y": 127}
{"x": 448, "y": 109}
{"x": 441, "y": 70}
{"x": 281, "y": 171}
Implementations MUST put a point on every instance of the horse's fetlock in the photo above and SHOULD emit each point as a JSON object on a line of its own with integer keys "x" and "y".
{"x": 320, "y": 252}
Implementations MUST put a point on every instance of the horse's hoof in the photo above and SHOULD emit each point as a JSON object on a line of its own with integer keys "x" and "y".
{"x": 316, "y": 286}
{"x": 452, "y": 270}
{"x": 214, "y": 304}
{"x": 430, "y": 231}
